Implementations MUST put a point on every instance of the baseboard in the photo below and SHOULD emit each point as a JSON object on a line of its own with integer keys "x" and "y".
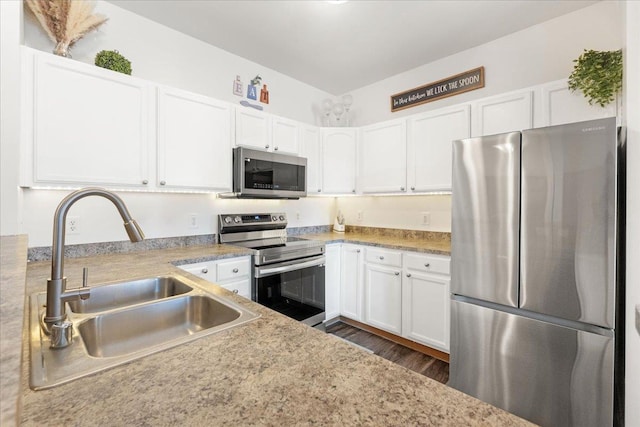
{"x": 429, "y": 351}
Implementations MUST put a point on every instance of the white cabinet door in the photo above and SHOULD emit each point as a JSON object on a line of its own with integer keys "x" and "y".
{"x": 429, "y": 146}
{"x": 351, "y": 282}
{"x": 339, "y": 152}
{"x": 88, "y": 125}
{"x": 425, "y": 309}
{"x": 311, "y": 149}
{"x": 332, "y": 281}
{"x": 285, "y": 135}
{"x": 253, "y": 129}
{"x": 383, "y": 298}
{"x": 504, "y": 113}
{"x": 383, "y": 157}
{"x": 194, "y": 141}
{"x": 560, "y": 106}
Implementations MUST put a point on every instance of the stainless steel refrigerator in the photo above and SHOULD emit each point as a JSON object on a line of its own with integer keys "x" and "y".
{"x": 537, "y": 256}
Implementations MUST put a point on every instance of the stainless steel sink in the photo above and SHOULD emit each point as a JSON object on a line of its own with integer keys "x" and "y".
{"x": 146, "y": 316}
{"x": 124, "y": 294}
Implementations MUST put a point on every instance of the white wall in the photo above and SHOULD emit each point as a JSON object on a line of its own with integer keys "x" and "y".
{"x": 403, "y": 212}
{"x": 536, "y": 55}
{"x": 632, "y": 117}
{"x": 166, "y": 56}
{"x": 10, "y": 39}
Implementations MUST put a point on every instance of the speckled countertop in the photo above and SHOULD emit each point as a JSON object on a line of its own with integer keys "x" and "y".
{"x": 272, "y": 371}
{"x": 406, "y": 241}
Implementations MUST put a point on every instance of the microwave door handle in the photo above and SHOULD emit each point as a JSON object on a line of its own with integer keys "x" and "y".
{"x": 263, "y": 272}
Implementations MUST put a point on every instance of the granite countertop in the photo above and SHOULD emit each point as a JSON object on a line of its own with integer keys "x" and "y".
{"x": 272, "y": 371}
{"x": 408, "y": 242}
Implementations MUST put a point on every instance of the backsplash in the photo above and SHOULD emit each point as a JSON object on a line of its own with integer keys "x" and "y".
{"x": 436, "y": 236}
{"x": 296, "y": 231}
{"x": 90, "y": 249}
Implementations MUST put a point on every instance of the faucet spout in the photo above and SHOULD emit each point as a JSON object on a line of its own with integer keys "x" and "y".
{"x": 57, "y": 294}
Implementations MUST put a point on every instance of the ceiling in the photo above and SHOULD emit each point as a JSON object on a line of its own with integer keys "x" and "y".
{"x": 341, "y": 47}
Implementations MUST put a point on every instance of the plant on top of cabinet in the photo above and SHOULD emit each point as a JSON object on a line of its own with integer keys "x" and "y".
{"x": 66, "y": 21}
{"x": 113, "y": 60}
{"x": 598, "y": 75}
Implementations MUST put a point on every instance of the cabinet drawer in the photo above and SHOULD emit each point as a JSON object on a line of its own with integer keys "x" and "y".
{"x": 206, "y": 271}
{"x": 233, "y": 269}
{"x": 384, "y": 257}
{"x": 240, "y": 287}
{"x": 427, "y": 263}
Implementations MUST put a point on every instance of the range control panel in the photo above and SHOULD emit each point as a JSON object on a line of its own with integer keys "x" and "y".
{"x": 246, "y": 221}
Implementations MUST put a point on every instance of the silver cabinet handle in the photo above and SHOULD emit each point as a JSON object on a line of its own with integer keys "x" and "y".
{"x": 427, "y": 265}
{"x": 275, "y": 148}
{"x": 358, "y": 251}
{"x": 353, "y": 191}
{"x": 319, "y": 190}
{"x": 408, "y": 274}
{"x": 397, "y": 273}
{"x": 163, "y": 182}
{"x": 205, "y": 270}
{"x": 381, "y": 258}
{"x": 235, "y": 270}
{"x": 235, "y": 291}
{"x": 145, "y": 181}
{"x": 401, "y": 188}
{"x": 266, "y": 146}
{"x": 413, "y": 188}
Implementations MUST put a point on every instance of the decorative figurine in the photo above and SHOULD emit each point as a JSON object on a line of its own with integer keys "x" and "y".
{"x": 264, "y": 95}
{"x": 237, "y": 86}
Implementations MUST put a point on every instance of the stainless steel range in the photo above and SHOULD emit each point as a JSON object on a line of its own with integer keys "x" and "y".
{"x": 288, "y": 272}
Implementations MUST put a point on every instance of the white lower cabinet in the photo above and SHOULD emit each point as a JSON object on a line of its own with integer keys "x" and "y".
{"x": 383, "y": 298}
{"x": 233, "y": 274}
{"x": 332, "y": 281}
{"x": 425, "y": 308}
{"x": 351, "y": 291}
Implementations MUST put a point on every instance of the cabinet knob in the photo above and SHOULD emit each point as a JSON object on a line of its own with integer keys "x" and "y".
{"x": 205, "y": 270}
{"x": 353, "y": 191}
{"x": 413, "y": 188}
{"x": 163, "y": 182}
{"x": 235, "y": 270}
{"x": 427, "y": 265}
{"x": 358, "y": 251}
{"x": 145, "y": 181}
{"x": 408, "y": 274}
{"x": 401, "y": 188}
{"x": 319, "y": 190}
{"x": 381, "y": 258}
{"x": 275, "y": 148}
{"x": 266, "y": 146}
{"x": 397, "y": 273}
{"x": 235, "y": 291}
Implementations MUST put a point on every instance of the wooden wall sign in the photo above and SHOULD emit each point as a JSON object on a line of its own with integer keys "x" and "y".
{"x": 454, "y": 85}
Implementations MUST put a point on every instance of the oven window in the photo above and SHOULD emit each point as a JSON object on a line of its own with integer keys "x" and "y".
{"x": 298, "y": 294}
{"x": 263, "y": 174}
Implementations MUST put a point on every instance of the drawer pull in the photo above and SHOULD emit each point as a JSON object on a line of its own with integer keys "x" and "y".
{"x": 427, "y": 265}
{"x": 163, "y": 182}
{"x": 266, "y": 146}
{"x": 205, "y": 270}
{"x": 413, "y": 188}
{"x": 397, "y": 273}
{"x": 235, "y": 291}
{"x": 408, "y": 274}
{"x": 358, "y": 251}
{"x": 235, "y": 270}
{"x": 381, "y": 257}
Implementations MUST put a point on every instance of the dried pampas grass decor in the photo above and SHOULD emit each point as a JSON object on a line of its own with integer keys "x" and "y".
{"x": 66, "y": 21}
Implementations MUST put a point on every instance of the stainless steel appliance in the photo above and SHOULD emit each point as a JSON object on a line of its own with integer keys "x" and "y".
{"x": 537, "y": 273}
{"x": 259, "y": 174}
{"x": 288, "y": 272}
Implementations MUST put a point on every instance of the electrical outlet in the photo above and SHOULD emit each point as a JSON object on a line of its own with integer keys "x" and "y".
{"x": 426, "y": 218}
{"x": 72, "y": 225}
{"x": 193, "y": 221}
{"x": 359, "y": 216}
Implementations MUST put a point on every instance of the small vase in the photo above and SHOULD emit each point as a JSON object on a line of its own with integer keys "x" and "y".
{"x": 63, "y": 49}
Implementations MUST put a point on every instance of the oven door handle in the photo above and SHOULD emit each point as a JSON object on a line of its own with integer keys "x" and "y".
{"x": 263, "y": 272}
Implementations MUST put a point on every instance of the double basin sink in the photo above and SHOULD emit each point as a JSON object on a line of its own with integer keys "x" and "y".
{"x": 124, "y": 321}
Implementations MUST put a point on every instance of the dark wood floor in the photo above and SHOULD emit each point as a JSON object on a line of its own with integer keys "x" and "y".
{"x": 410, "y": 359}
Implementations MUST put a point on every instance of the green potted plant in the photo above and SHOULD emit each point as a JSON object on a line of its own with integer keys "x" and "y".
{"x": 112, "y": 60}
{"x": 598, "y": 75}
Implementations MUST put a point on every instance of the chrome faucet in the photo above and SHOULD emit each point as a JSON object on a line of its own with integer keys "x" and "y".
{"x": 54, "y": 321}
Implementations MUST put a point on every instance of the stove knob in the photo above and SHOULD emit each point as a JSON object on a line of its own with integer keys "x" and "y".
{"x": 274, "y": 218}
{"x": 281, "y": 218}
{"x": 237, "y": 220}
{"x": 227, "y": 220}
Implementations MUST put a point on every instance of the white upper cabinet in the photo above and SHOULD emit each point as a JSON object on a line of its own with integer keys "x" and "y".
{"x": 429, "y": 146}
{"x": 311, "y": 148}
{"x": 504, "y": 113}
{"x": 559, "y": 106}
{"x": 339, "y": 154}
{"x": 194, "y": 141}
{"x": 84, "y": 124}
{"x": 285, "y": 135}
{"x": 383, "y": 157}
{"x": 262, "y": 131}
{"x": 253, "y": 129}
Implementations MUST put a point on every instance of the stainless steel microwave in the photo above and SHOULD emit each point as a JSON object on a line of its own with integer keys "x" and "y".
{"x": 263, "y": 175}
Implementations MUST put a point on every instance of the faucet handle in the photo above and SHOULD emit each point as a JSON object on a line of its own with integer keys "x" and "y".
{"x": 85, "y": 281}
